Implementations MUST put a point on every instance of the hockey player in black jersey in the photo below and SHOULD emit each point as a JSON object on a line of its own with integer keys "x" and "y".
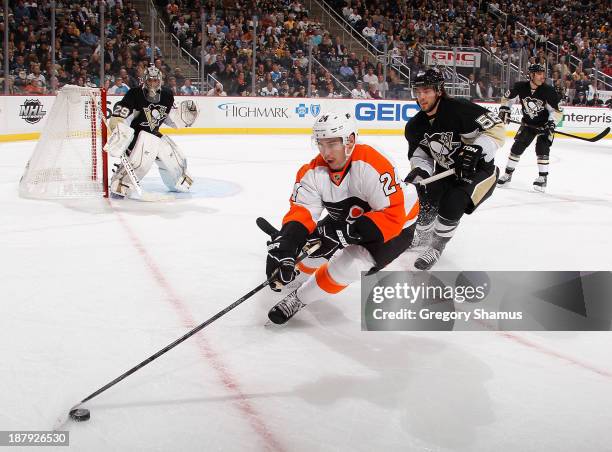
{"x": 449, "y": 133}
{"x": 540, "y": 104}
{"x": 149, "y": 106}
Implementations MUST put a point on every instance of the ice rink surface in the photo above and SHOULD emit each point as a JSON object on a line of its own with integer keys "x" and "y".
{"x": 89, "y": 289}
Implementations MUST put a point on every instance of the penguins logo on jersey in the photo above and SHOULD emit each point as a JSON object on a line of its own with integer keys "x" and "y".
{"x": 533, "y": 106}
{"x": 442, "y": 147}
{"x": 155, "y": 115}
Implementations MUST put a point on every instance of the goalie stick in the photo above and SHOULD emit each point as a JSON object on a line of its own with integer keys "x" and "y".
{"x": 590, "y": 140}
{"x": 183, "y": 338}
{"x": 142, "y": 195}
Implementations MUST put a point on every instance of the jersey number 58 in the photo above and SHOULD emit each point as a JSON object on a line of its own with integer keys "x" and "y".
{"x": 488, "y": 120}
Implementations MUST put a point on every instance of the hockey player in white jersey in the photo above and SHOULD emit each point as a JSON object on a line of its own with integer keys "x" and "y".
{"x": 149, "y": 106}
{"x": 370, "y": 221}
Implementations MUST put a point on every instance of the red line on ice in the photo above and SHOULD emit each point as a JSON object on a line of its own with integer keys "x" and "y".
{"x": 555, "y": 354}
{"x": 228, "y": 380}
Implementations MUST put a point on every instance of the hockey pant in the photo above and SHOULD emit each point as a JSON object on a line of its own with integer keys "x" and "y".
{"x": 148, "y": 149}
{"x": 345, "y": 266}
{"x": 525, "y": 136}
{"x": 451, "y": 198}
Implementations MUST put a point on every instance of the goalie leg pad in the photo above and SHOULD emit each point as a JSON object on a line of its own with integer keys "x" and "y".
{"x": 172, "y": 166}
{"x": 142, "y": 156}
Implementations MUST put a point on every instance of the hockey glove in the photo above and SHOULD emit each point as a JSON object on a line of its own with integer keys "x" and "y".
{"x": 466, "y": 161}
{"x": 504, "y": 114}
{"x": 280, "y": 264}
{"x": 416, "y": 175}
{"x": 550, "y": 126}
{"x": 335, "y": 235}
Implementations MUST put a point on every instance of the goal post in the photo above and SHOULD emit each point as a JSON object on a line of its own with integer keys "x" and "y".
{"x": 68, "y": 160}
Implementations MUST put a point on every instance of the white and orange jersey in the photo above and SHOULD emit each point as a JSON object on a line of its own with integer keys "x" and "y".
{"x": 368, "y": 188}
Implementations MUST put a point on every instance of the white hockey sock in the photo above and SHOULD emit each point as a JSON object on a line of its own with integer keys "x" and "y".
{"x": 332, "y": 277}
{"x": 543, "y": 165}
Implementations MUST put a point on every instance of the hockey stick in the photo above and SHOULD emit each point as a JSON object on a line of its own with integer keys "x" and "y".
{"x": 74, "y": 410}
{"x": 266, "y": 227}
{"x": 436, "y": 177}
{"x": 590, "y": 140}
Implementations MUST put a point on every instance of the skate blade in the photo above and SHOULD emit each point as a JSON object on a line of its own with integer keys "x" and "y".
{"x": 539, "y": 189}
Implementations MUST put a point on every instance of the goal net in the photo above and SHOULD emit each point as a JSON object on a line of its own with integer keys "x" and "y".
{"x": 68, "y": 161}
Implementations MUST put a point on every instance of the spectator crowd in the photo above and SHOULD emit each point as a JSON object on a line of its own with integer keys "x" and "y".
{"x": 571, "y": 38}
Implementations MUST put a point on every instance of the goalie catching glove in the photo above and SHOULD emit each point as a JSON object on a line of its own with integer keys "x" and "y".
{"x": 183, "y": 116}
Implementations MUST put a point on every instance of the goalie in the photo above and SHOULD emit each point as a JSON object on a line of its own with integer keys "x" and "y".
{"x": 149, "y": 106}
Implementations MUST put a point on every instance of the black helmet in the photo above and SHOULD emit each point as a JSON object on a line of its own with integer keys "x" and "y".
{"x": 536, "y": 67}
{"x": 430, "y": 77}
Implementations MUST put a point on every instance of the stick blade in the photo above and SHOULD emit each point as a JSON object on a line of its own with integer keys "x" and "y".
{"x": 266, "y": 227}
{"x": 601, "y": 135}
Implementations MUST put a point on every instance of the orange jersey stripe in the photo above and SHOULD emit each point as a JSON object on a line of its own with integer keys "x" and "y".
{"x": 326, "y": 282}
{"x": 300, "y": 213}
{"x": 305, "y": 268}
{"x": 391, "y": 220}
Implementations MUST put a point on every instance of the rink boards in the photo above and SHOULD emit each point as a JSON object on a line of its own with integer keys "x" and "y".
{"x": 23, "y": 117}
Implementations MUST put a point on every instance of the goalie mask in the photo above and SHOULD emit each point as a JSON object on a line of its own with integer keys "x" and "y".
{"x": 152, "y": 82}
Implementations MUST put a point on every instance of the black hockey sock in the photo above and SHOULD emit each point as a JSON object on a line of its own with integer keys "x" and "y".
{"x": 513, "y": 160}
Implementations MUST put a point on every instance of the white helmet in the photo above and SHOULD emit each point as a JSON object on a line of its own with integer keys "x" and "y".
{"x": 152, "y": 91}
{"x": 334, "y": 125}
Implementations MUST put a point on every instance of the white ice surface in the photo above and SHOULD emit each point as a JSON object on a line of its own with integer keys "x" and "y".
{"x": 89, "y": 289}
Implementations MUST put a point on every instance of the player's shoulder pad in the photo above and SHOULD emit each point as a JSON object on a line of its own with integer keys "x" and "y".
{"x": 414, "y": 124}
{"x": 314, "y": 163}
{"x": 167, "y": 91}
{"x": 132, "y": 92}
{"x": 458, "y": 105}
{"x": 373, "y": 157}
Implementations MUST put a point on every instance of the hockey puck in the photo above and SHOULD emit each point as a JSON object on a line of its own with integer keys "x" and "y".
{"x": 79, "y": 414}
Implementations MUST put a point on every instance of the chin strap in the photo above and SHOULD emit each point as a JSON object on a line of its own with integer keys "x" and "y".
{"x": 348, "y": 153}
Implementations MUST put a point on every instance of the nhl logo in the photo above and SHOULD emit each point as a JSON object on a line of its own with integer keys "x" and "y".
{"x": 31, "y": 111}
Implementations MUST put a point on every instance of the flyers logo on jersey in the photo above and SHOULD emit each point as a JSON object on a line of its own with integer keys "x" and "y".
{"x": 532, "y": 106}
{"x": 442, "y": 147}
{"x": 354, "y": 213}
